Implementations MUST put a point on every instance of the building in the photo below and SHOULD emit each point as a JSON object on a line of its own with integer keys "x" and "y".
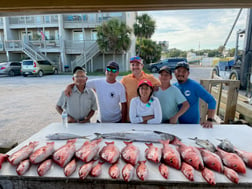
{"x": 67, "y": 40}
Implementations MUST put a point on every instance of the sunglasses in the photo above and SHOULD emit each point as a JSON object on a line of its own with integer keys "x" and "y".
{"x": 135, "y": 58}
{"x": 111, "y": 70}
{"x": 149, "y": 103}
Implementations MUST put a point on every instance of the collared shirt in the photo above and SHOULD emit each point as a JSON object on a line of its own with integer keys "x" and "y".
{"x": 79, "y": 104}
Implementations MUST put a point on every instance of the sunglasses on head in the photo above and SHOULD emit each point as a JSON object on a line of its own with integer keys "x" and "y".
{"x": 135, "y": 58}
{"x": 111, "y": 70}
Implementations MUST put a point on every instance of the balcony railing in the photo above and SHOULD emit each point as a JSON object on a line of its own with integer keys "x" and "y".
{"x": 1, "y": 45}
{"x": 34, "y": 20}
{"x": 77, "y": 47}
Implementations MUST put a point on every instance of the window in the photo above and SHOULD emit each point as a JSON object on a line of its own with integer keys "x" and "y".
{"x": 94, "y": 35}
{"x": 78, "y": 35}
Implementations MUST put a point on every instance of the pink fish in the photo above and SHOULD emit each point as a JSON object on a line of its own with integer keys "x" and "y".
{"x": 211, "y": 160}
{"x": 97, "y": 170}
{"x": 3, "y": 157}
{"x": 246, "y": 156}
{"x": 153, "y": 153}
{"x": 191, "y": 155}
{"x": 208, "y": 175}
{"x": 114, "y": 171}
{"x": 187, "y": 170}
{"x": 70, "y": 168}
{"x": 23, "y": 167}
{"x": 88, "y": 150}
{"x": 64, "y": 154}
{"x": 231, "y": 174}
{"x": 232, "y": 161}
{"x": 163, "y": 169}
{"x": 128, "y": 172}
{"x": 42, "y": 153}
{"x": 22, "y": 154}
{"x": 130, "y": 153}
{"x": 170, "y": 155}
{"x": 142, "y": 170}
{"x": 85, "y": 169}
{"x": 110, "y": 153}
{"x": 44, "y": 167}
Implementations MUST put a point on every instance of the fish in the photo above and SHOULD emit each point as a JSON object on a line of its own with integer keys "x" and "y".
{"x": 211, "y": 160}
{"x": 136, "y": 136}
{"x": 44, "y": 167}
{"x": 170, "y": 155}
{"x": 42, "y": 153}
{"x": 97, "y": 169}
{"x": 191, "y": 155}
{"x": 110, "y": 153}
{"x": 226, "y": 145}
{"x": 88, "y": 150}
{"x": 23, "y": 167}
{"x": 22, "y": 153}
{"x": 209, "y": 176}
{"x": 232, "y": 161}
{"x": 188, "y": 171}
{"x": 231, "y": 174}
{"x": 130, "y": 153}
{"x": 64, "y": 154}
{"x": 153, "y": 153}
{"x": 142, "y": 170}
{"x": 64, "y": 136}
{"x": 3, "y": 157}
{"x": 70, "y": 168}
{"x": 85, "y": 169}
{"x": 163, "y": 169}
{"x": 128, "y": 172}
{"x": 246, "y": 156}
{"x": 114, "y": 171}
{"x": 205, "y": 144}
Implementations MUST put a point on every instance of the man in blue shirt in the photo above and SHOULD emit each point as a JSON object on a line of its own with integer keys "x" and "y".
{"x": 193, "y": 92}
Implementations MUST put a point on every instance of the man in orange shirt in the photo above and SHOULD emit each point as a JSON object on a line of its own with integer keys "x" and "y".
{"x": 131, "y": 81}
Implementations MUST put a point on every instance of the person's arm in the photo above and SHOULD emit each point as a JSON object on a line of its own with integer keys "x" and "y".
{"x": 68, "y": 90}
{"x": 87, "y": 119}
{"x": 183, "y": 109}
{"x": 132, "y": 112}
{"x": 70, "y": 119}
{"x": 210, "y": 119}
{"x": 124, "y": 112}
{"x": 59, "y": 109}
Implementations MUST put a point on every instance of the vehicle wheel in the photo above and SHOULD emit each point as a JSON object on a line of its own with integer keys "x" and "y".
{"x": 11, "y": 73}
{"x": 40, "y": 73}
{"x": 215, "y": 71}
{"x": 154, "y": 69}
{"x": 25, "y": 75}
{"x": 55, "y": 71}
{"x": 234, "y": 75}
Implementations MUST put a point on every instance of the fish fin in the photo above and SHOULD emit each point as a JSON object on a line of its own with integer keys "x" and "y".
{"x": 195, "y": 138}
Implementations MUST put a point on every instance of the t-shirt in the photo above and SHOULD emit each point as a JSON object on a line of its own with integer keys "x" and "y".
{"x": 78, "y": 105}
{"x": 169, "y": 100}
{"x": 193, "y": 92}
{"x": 138, "y": 109}
{"x": 110, "y": 96}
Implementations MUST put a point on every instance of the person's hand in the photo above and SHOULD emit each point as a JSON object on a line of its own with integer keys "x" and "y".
{"x": 173, "y": 120}
{"x": 68, "y": 90}
{"x": 207, "y": 124}
{"x": 84, "y": 121}
{"x": 71, "y": 119}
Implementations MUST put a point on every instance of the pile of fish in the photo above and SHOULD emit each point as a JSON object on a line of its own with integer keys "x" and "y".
{"x": 207, "y": 159}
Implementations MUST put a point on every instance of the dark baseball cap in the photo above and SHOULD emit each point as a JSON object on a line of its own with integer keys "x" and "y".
{"x": 183, "y": 65}
{"x": 77, "y": 68}
{"x": 166, "y": 69}
{"x": 113, "y": 64}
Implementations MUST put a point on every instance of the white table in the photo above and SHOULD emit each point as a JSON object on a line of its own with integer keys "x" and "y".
{"x": 239, "y": 135}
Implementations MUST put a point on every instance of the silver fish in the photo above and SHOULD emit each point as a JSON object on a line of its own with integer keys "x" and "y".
{"x": 152, "y": 136}
{"x": 64, "y": 136}
{"x": 204, "y": 144}
{"x": 226, "y": 145}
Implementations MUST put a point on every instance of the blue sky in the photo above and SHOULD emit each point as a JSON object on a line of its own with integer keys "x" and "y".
{"x": 186, "y": 29}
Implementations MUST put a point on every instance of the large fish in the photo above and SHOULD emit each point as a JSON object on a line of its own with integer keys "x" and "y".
{"x": 231, "y": 175}
{"x": 204, "y": 144}
{"x": 44, "y": 167}
{"x": 3, "y": 157}
{"x": 88, "y": 150}
{"x": 142, "y": 170}
{"x": 232, "y": 161}
{"x": 226, "y": 145}
{"x": 22, "y": 154}
{"x": 114, "y": 171}
{"x": 97, "y": 169}
{"x": 23, "y": 167}
{"x": 64, "y": 136}
{"x": 153, "y": 153}
{"x": 246, "y": 156}
{"x": 130, "y": 153}
{"x": 110, "y": 153}
{"x": 188, "y": 171}
{"x": 170, "y": 155}
{"x": 85, "y": 169}
{"x": 70, "y": 168}
{"x": 209, "y": 176}
{"x": 42, "y": 153}
{"x": 64, "y": 154}
{"x": 211, "y": 160}
{"x": 145, "y": 136}
{"x": 128, "y": 172}
{"x": 164, "y": 171}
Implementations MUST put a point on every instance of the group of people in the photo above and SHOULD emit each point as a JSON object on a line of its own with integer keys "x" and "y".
{"x": 138, "y": 98}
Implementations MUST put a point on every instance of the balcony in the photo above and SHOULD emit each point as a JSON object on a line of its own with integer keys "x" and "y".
{"x": 1, "y": 46}
{"x": 1, "y": 23}
{"x": 77, "y": 47}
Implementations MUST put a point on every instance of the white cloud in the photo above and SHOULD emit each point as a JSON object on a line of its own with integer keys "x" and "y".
{"x": 186, "y": 29}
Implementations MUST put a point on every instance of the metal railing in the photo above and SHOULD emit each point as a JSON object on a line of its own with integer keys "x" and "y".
{"x": 34, "y": 20}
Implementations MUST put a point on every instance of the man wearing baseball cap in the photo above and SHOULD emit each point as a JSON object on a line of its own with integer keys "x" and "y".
{"x": 131, "y": 81}
{"x": 170, "y": 98}
{"x": 193, "y": 92}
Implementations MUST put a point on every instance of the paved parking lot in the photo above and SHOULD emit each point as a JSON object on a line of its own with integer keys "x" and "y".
{"x": 27, "y": 104}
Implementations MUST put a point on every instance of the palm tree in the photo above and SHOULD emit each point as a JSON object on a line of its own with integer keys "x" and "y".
{"x": 144, "y": 26}
{"x": 113, "y": 36}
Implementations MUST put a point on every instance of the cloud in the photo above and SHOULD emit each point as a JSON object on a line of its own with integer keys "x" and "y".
{"x": 194, "y": 29}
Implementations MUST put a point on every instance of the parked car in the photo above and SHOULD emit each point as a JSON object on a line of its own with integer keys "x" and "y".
{"x": 10, "y": 68}
{"x": 170, "y": 62}
{"x": 39, "y": 68}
